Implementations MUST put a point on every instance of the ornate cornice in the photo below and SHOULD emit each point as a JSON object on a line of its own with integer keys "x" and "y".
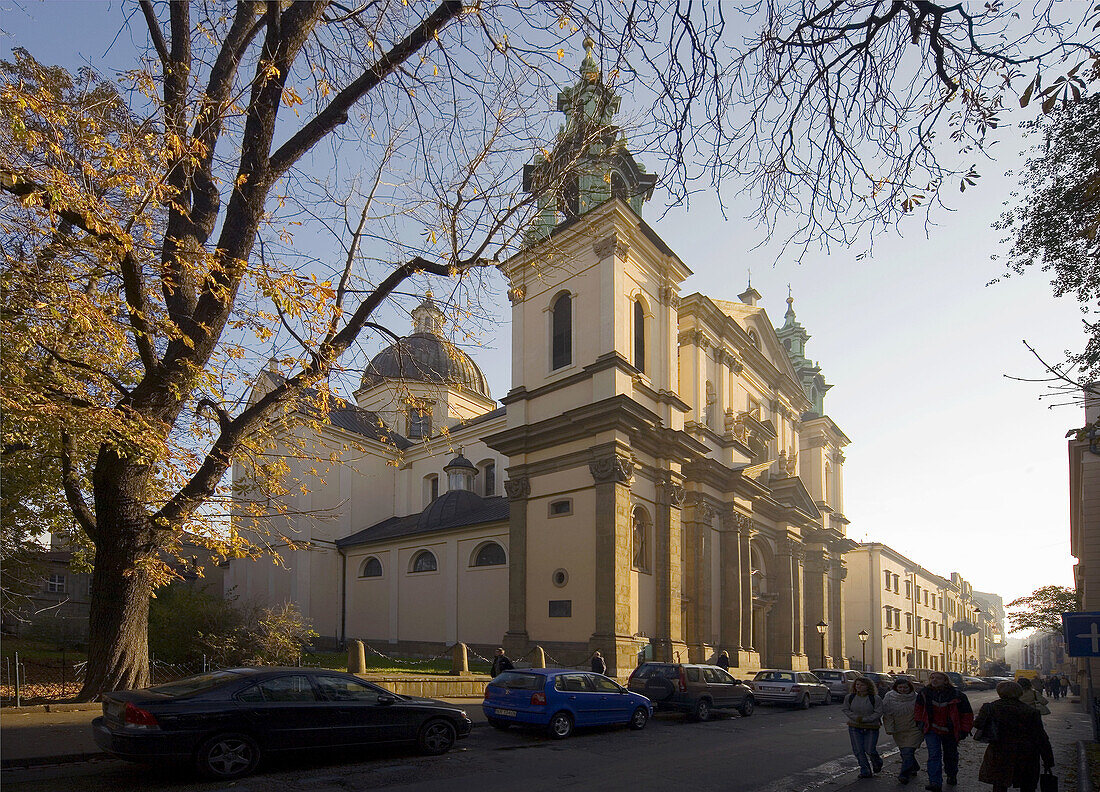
{"x": 733, "y": 520}
{"x": 670, "y": 490}
{"x": 518, "y": 488}
{"x": 612, "y": 468}
{"x": 516, "y": 294}
{"x": 669, "y": 296}
{"x": 696, "y": 337}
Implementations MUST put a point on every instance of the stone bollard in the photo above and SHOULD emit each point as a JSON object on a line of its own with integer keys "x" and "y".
{"x": 539, "y": 659}
{"x": 357, "y": 658}
{"x": 460, "y": 663}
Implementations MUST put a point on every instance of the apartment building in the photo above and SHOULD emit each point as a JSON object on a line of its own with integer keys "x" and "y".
{"x": 899, "y": 615}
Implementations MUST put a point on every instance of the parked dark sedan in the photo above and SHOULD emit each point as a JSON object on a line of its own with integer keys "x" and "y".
{"x": 224, "y": 722}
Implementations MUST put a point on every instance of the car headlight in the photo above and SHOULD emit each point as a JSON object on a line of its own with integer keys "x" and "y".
{"x": 464, "y": 715}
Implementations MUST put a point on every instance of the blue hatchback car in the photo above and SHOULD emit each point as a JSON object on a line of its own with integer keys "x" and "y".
{"x": 561, "y": 700}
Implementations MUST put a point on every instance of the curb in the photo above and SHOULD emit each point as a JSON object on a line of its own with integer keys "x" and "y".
{"x": 87, "y": 705}
{"x": 1084, "y": 772}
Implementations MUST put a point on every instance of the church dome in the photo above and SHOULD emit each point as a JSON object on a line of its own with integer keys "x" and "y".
{"x": 426, "y": 356}
{"x": 448, "y": 507}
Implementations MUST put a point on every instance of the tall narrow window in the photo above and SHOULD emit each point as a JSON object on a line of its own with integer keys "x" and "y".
{"x": 420, "y": 422}
{"x": 562, "y": 332}
{"x": 639, "y": 336}
{"x": 490, "y": 479}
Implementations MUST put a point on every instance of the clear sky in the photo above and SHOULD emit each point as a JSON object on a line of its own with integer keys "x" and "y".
{"x": 951, "y": 463}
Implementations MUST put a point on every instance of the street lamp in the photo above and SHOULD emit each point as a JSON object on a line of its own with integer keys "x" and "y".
{"x": 863, "y": 640}
{"x": 821, "y": 627}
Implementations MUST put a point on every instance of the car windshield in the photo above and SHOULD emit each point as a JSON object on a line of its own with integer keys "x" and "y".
{"x": 829, "y": 675}
{"x": 515, "y": 681}
{"x": 194, "y": 684}
{"x": 774, "y": 676}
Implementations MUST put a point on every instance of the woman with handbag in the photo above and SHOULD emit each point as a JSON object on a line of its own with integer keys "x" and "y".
{"x": 897, "y": 719}
{"x": 1017, "y": 741}
{"x": 863, "y": 709}
{"x": 1033, "y": 698}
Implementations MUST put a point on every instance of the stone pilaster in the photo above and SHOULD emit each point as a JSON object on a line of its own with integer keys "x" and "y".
{"x": 516, "y": 639}
{"x": 668, "y": 569}
{"x": 835, "y": 598}
{"x": 612, "y": 636}
{"x": 744, "y": 539}
{"x": 732, "y": 589}
{"x": 785, "y": 623}
{"x": 697, "y": 577}
{"x": 814, "y": 606}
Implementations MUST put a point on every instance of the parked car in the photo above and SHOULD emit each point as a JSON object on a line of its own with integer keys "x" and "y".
{"x": 796, "y": 688}
{"x": 956, "y": 679}
{"x": 561, "y": 700}
{"x": 225, "y": 722}
{"x": 697, "y": 690}
{"x": 976, "y": 683}
{"x": 882, "y": 682}
{"x": 838, "y": 680}
{"x": 911, "y": 679}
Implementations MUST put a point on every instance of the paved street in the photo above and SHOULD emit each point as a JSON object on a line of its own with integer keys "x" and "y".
{"x": 775, "y": 749}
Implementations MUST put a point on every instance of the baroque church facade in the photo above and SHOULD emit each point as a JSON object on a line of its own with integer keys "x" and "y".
{"x": 662, "y": 477}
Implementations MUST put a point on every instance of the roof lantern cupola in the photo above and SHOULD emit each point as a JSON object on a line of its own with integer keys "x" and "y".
{"x": 427, "y": 318}
{"x": 793, "y": 336}
{"x": 460, "y": 473}
{"x": 589, "y": 163}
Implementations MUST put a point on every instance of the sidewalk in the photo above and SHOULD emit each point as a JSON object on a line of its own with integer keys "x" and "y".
{"x": 32, "y": 736}
{"x": 1065, "y": 726}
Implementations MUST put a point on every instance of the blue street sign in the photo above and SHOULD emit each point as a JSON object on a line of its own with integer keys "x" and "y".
{"x": 1081, "y": 632}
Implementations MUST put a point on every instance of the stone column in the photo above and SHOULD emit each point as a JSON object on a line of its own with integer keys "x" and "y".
{"x": 836, "y": 575}
{"x": 516, "y": 639}
{"x": 815, "y": 606}
{"x": 783, "y": 631}
{"x": 613, "y": 474}
{"x": 697, "y": 576}
{"x": 744, "y": 539}
{"x": 798, "y": 557}
{"x": 732, "y": 589}
{"x": 668, "y": 569}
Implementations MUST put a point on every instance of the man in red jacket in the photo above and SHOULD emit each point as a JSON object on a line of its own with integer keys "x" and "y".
{"x": 946, "y": 717}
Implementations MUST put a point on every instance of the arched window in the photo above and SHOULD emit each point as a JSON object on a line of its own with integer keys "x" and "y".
{"x": 371, "y": 567}
{"x": 754, "y": 339}
{"x": 431, "y": 489}
{"x": 424, "y": 561}
{"x": 640, "y": 539}
{"x": 561, "y": 332}
{"x": 489, "y": 554}
{"x": 639, "y": 335}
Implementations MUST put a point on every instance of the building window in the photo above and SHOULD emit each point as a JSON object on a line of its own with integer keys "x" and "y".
{"x": 55, "y": 584}
{"x": 888, "y": 578}
{"x": 372, "y": 567}
{"x": 909, "y": 622}
{"x": 561, "y": 335}
{"x": 420, "y": 422}
{"x": 640, "y": 539}
{"x": 489, "y": 554}
{"x": 489, "y": 474}
{"x": 424, "y": 561}
{"x": 639, "y": 335}
{"x": 909, "y": 589}
{"x": 431, "y": 489}
{"x": 560, "y": 508}
{"x": 896, "y": 584}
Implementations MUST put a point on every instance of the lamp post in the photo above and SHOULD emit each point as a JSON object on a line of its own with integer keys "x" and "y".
{"x": 821, "y": 627}
{"x": 863, "y": 640}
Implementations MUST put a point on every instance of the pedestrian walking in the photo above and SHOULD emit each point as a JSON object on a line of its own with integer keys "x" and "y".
{"x": 599, "y": 665}
{"x": 897, "y": 718}
{"x": 1017, "y": 741}
{"x": 723, "y": 661}
{"x": 863, "y": 709}
{"x": 1055, "y": 686}
{"x": 945, "y": 716}
{"x": 1033, "y": 698}
{"x": 1065, "y": 686}
{"x": 501, "y": 663}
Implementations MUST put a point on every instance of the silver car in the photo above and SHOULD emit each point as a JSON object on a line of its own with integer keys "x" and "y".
{"x": 838, "y": 680}
{"x": 794, "y": 688}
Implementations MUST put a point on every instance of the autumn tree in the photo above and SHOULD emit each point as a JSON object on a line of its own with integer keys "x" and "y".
{"x": 272, "y": 175}
{"x": 1042, "y": 609}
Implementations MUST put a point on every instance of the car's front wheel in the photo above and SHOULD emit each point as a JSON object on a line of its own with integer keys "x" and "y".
{"x": 639, "y": 719}
{"x": 436, "y": 737}
{"x": 748, "y": 708}
{"x": 560, "y": 726}
{"x": 227, "y": 756}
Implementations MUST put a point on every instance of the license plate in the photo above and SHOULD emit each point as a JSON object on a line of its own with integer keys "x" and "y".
{"x": 507, "y": 713}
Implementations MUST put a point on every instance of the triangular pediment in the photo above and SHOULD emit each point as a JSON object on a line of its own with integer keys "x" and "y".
{"x": 755, "y": 318}
{"x": 792, "y": 492}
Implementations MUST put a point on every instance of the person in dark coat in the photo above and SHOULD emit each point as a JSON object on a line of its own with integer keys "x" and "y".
{"x": 501, "y": 663}
{"x": 1020, "y": 741}
{"x": 1055, "y": 686}
{"x": 599, "y": 665}
{"x": 945, "y": 716}
{"x": 723, "y": 661}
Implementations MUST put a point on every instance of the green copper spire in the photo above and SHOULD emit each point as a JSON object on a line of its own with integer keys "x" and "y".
{"x": 793, "y": 336}
{"x": 589, "y": 163}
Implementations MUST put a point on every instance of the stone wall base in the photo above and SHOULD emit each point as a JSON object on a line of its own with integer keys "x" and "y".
{"x": 431, "y": 686}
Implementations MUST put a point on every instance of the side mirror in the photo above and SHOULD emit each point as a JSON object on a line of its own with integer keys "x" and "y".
{"x": 386, "y": 699}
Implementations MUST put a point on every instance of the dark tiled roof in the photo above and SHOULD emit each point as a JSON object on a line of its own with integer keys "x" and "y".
{"x": 489, "y": 510}
{"x": 353, "y": 418}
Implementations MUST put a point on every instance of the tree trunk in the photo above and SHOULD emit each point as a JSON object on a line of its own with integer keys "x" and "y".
{"x": 118, "y": 623}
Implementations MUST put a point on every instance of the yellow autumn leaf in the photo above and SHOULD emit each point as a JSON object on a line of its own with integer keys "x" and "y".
{"x": 561, "y": 54}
